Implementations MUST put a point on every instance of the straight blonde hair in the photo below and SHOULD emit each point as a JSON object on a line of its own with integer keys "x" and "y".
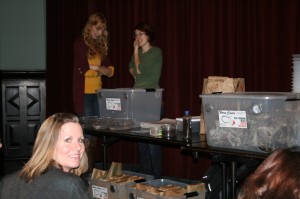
{"x": 42, "y": 153}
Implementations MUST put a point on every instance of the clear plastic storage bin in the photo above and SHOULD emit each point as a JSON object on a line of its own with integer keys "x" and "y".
{"x": 142, "y": 105}
{"x": 249, "y": 121}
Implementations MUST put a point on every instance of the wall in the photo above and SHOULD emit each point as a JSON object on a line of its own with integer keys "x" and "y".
{"x": 23, "y": 35}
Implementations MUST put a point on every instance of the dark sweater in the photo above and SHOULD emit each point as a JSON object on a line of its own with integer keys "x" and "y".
{"x": 54, "y": 184}
{"x": 81, "y": 66}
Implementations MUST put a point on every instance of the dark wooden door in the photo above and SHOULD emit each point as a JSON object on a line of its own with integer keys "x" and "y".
{"x": 23, "y": 111}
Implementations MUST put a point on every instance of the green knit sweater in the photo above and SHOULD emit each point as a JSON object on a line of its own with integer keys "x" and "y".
{"x": 150, "y": 68}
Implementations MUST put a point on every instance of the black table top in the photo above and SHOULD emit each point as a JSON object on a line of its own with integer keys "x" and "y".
{"x": 233, "y": 153}
{"x": 144, "y": 135}
{"x": 198, "y": 143}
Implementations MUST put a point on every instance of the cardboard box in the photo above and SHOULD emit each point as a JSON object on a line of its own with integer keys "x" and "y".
{"x": 159, "y": 183}
{"x": 102, "y": 189}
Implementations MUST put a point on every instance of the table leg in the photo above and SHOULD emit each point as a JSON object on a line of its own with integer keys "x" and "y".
{"x": 107, "y": 141}
{"x": 104, "y": 146}
{"x": 224, "y": 179}
{"x": 233, "y": 179}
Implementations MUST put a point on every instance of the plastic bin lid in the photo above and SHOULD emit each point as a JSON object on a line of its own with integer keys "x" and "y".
{"x": 194, "y": 119}
{"x": 129, "y": 90}
{"x": 255, "y": 95}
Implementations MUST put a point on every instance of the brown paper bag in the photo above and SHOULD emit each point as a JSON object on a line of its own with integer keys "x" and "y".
{"x": 214, "y": 84}
{"x": 219, "y": 84}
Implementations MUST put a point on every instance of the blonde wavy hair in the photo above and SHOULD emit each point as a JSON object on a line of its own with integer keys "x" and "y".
{"x": 42, "y": 154}
{"x": 100, "y": 44}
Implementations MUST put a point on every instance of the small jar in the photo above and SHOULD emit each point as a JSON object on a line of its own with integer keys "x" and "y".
{"x": 168, "y": 131}
{"x": 155, "y": 131}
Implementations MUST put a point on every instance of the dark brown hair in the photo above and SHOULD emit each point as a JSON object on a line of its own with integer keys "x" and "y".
{"x": 277, "y": 177}
{"x": 146, "y": 28}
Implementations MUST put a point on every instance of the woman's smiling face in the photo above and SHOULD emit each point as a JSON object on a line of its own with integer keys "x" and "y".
{"x": 70, "y": 147}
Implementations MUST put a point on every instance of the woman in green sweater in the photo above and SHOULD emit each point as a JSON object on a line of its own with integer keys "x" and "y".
{"x": 145, "y": 66}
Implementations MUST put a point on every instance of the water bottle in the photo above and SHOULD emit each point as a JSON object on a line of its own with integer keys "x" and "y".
{"x": 187, "y": 126}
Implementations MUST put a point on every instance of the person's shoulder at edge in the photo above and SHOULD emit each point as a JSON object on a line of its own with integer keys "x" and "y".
{"x": 9, "y": 181}
{"x": 63, "y": 181}
{"x": 68, "y": 181}
{"x": 51, "y": 173}
{"x": 156, "y": 49}
{"x": 10, "y": 176}
{"x": 61, "y": 175}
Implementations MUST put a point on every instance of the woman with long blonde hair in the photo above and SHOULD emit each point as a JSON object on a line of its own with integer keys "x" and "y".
{"x": 58, "y": 159}
{"x": 91, "y": 62}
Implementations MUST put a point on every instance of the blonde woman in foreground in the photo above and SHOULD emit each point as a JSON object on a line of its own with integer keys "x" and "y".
{"x": 57, "y": 161}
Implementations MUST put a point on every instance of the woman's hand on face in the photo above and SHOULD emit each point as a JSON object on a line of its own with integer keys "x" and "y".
{"x": 136, "y": 44}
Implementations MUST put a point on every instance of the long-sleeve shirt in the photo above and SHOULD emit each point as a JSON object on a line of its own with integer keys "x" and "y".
{"x": 80, "y": 68}
{"x": 92, "y": 80}
{"x": 150, "y": 68}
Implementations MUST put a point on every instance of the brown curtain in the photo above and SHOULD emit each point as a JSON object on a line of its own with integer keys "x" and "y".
{"x": 253, "y": 39}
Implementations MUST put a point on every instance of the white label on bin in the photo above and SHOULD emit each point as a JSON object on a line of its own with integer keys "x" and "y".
{"x": 99, "y": 192}
{"x": 113, "y": 104}
{"x": 233, "y": 119}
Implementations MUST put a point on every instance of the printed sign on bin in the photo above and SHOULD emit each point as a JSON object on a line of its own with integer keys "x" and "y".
{"x": 232, "y": 119}
{"x": 113, "y": 104}
{"x": 99, "y": 192}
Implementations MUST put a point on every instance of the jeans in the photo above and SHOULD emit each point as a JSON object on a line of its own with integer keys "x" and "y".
{"x": 151, "y": 155}
{"x": 91, "y": 106}
{"x": 150, "y": 159}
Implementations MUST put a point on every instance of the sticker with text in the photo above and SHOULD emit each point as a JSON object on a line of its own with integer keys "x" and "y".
{"x": 99, "y": 192}
{"x": 113, "y": 104}
{"x": 233, "y": 119}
